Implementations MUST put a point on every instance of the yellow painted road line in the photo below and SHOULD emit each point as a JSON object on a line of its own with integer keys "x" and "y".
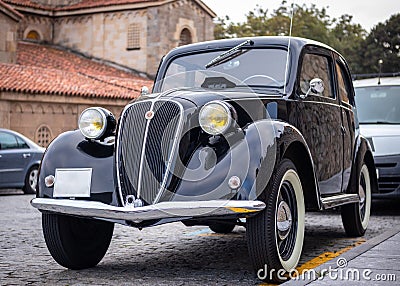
{"x": 326, "y": 256}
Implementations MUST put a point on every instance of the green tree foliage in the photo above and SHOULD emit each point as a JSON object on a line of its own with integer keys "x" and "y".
{"x": 361, "y": 50}
{"x": 383, "y": 43}
{"x": 348, "y": 39}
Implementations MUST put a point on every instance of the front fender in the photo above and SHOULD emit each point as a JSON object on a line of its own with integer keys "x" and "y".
{"x": 251, "y": 155}
{"x": 72, "y": 150}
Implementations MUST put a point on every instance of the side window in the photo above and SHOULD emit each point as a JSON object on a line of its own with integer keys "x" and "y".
{"x": 343, "y": 84}
{"x": 21, "y": 143}
{"x": 316, "y": 66}
{"x": 8, "y": 141}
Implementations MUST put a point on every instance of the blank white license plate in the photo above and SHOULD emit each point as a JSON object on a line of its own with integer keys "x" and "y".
{"x": 72, "y": 183}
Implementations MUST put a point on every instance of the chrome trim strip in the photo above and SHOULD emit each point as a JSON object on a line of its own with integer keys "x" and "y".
{"x": 338, "y": 200}
{"x": 173, "y": 150}
{"x": 123, "y": 114}
{"x": 161, "y": 210}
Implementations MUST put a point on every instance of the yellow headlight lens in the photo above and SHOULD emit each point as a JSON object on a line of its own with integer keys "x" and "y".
{"x": 92, "y": 123}
{"x": 215, "y": 118}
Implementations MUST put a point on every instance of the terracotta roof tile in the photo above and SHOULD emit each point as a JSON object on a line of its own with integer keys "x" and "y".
{"x": 44, "y": 69}
{"x": 80, "y": 5}
{"x": 11, "y": 10}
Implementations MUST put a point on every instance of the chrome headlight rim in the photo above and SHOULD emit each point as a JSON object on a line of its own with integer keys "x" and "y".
{"x": 229, "y": 112}
{"x": 102, "y": 130}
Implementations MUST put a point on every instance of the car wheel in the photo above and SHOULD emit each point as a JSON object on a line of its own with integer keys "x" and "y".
{"x": 275, "y": 236}
{"x": 76, "y": 243}
{"x": 355, "y": 217}
{"x": 222, "y": 227}
{"x": 31, "y": 180}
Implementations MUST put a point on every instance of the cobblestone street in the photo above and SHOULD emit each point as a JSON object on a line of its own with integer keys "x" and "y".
{"x": 165, "y": 255}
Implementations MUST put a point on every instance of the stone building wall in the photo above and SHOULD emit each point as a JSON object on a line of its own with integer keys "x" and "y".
{"x": 106, "y": 35}
{"x": 75, "y": 32}
{"x": 8, "y": 38}
{"x": 42, "y": 25}
{"x": 166, "y": 23}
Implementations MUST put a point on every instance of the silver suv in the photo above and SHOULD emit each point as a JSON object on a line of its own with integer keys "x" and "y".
{"x": 378, "y": 107}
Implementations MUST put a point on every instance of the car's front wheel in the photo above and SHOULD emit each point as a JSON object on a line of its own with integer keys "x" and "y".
{"x": 31, "y": 178}
{"x": 355, "y": 217}
{"x": 76, "y": 243}
{"x": 275, "y": 236}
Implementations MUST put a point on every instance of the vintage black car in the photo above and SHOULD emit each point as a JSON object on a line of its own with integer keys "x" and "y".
{"x": 242, "y": 131}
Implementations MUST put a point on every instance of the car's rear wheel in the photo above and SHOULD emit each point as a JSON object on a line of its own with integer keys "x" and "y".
{"x": 223, "y": 226}
{"x": 355, "y": 217}
{"x": 31, "y": 178}
{"x": 275, "y": 236}
{"x": 76, "y": 243}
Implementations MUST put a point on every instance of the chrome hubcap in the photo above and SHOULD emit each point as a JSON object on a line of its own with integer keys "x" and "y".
{"x": 283, "y": 220}
{"x": 33, "y": 179}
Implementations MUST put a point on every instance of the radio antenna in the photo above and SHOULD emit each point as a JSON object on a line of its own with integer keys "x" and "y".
{"x": 288, "y": 50}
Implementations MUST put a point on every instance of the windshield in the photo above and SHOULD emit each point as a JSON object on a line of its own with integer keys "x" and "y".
{"x": 378, "y": 104}
{"x": 250, "y": 67}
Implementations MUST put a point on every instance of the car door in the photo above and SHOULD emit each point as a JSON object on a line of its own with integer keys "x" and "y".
{"x": 319, "y": 119}
{"x": 346, "y": 98}
{"x": 14, "y": 159}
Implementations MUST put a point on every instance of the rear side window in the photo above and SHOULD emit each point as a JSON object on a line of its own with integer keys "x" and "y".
{"x": 343, "y": 85}
{"x": 21, "y": 143}
{"x": 316, "y": 66}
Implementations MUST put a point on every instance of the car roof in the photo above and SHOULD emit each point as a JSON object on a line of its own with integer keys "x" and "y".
{"x": 258, "y": 41}
{"x": 384, "y": 81}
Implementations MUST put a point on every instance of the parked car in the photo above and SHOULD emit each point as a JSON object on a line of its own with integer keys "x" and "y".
{"x": 260, "y": 129}
{"x": 378, "y": 108}
{"x": 19, "y": 161}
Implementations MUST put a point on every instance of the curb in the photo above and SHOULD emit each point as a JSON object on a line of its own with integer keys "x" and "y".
{"x": 349, "y": 255}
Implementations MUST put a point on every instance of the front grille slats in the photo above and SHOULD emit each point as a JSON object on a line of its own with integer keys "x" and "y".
{"x": 155, "y": 147}
{"x": 131, "y": 140}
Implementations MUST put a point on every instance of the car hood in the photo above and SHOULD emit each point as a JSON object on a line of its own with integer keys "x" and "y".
{"x": 385, "y": 138}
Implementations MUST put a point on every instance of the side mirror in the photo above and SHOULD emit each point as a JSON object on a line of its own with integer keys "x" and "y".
{"x": 316, "y": 86}
{"x": 144, "y": 91}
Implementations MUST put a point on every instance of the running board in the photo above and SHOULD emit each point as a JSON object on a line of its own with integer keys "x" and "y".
{"x": 338, "y": 200}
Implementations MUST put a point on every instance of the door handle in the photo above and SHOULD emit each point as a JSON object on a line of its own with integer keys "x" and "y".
{"x": 26, "y": 155}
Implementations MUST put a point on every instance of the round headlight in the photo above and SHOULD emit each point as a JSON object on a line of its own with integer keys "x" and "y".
{"x": 215, "y": 117}
{"x": 92, "y": 123}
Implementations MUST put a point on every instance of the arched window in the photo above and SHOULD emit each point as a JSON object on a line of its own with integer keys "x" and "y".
{"x": 32, "y": 35}
{"x": 185, "y": 38}
{"x": 43, "y": 136}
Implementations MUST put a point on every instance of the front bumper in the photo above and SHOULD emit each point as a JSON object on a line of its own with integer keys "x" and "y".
{"x": 164, "y": 210}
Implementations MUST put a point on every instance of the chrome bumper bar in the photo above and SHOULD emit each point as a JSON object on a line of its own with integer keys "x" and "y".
{"x": 190, "y": 209}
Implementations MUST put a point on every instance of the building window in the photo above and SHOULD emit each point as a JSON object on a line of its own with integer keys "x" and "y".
{"x": 185, "y": 38}
{"x": 133, "y": 37}
{"x": 33, "y": 36}
{"x": 43, "y": 136}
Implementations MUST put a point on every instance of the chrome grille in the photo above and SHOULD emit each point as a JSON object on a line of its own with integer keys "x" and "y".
{"x": 145, "y": 147}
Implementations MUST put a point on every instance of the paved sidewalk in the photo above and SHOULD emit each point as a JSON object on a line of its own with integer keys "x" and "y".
{"x": 376, "y": 262}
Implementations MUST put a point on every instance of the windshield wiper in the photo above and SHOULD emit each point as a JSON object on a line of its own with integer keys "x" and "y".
{"x": 234, "y": 52}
